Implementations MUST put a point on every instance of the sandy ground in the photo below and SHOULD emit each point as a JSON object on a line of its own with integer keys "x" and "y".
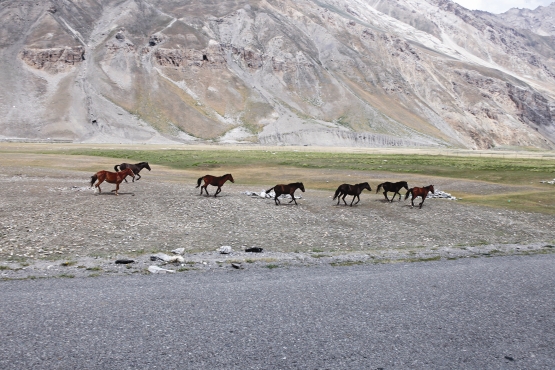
{"x": 53, "y": 224}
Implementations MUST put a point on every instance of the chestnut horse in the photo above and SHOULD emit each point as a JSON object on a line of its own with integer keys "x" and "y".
{"x": 137, "y": 167}
{"x": 419, "y": 192}
{"x": 286, "y": 189}
{"x": 394, "y": 187}
{"x": 214, "y": 181}
{"x": 354, "y": 190}
{"x": 111, "y": 177}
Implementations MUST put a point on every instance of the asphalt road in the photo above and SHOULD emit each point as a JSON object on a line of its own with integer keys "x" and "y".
{"x": 465, "y": 314}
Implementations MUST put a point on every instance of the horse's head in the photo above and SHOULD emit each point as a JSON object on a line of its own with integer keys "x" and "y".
{"x": 301, "y": 186}
{"x": 366, "y": 186}
{"x": 229, "y": 177}
{"x": 145, "y": 165}
{"x": 431, "y": 187}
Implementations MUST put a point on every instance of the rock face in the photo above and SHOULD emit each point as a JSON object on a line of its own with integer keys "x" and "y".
{"x": 329, "y": 72}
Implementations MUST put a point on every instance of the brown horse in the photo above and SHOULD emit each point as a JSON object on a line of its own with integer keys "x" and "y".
{"x": 111, "y": 177}
{"x": 354, "y": 190}
{"x": 394, "y": 187}
{"x": 137, "y": 167}
{"x": 286, "y": 189}
{"x": 419, "y": 192}
{"x": 214, "y": 181}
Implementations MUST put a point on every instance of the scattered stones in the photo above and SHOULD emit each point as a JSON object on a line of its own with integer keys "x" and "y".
{"x": 226, "y": 249}
{"x": 254, "y": 250}
{"x": 124, "y": 261}
{"x": 442, "y": 195}
{"x": 178, "y": 251}
{"x": 166, "y": 258}
{"x": 552, "y": 182}
{"x": 158, "y": 270}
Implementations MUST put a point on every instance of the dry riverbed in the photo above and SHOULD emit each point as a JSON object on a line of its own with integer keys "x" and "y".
{"x": 53, "y": 225}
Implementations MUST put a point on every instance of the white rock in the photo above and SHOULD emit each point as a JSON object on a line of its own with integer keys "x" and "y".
{"x": 226, "y": 249}
{"x": 178, "y": 251}
{"x": 166, "y": 258}
{"x": 158, "y": 270}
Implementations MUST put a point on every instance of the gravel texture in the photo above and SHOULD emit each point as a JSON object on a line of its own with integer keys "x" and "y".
{"x": 53, "y": 224}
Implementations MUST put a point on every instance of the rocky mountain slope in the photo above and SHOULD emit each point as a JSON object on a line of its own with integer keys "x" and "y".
{"x": 302, "y": 72}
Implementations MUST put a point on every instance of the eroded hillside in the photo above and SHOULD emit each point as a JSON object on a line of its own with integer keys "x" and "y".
{"x": 326, "y": 72}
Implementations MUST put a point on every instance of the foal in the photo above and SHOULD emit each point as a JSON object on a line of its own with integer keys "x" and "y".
{"x": 419, "y": 192}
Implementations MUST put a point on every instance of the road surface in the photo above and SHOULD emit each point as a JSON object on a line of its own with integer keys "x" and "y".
{"x": 472, "y": 313}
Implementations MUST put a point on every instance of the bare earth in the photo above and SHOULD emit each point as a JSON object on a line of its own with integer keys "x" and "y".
{"x": 53, "y": 224}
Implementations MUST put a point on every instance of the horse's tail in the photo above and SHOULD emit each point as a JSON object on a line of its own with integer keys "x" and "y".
{"x": 93, "y": 179}
{"x": 199, "y": 180}
{"x": 408, "y": 192}
{"x": 116, "y": 168}
{"x": 379, "y": 187}
{"x": 336, "y": 193}
{"x": 269, "y": 190}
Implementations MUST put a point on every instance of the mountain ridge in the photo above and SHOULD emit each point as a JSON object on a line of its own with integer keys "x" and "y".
{"x": 276, "y": 72}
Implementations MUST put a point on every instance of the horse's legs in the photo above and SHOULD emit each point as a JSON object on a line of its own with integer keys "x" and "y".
{"x": 385, "y": 195}
{"x": 117, "y": 188}
{"x": 205, "y": 187}
{"x": 356, "y": 196}
{"x": 344, "y": 196}
{"x": 218, "y": 191}
{"x": 423, "y": 199}
{"x": 137, "y": 175}
{"x": 293, "y": 196}
{"x": 412, "y": 201}
{"x": 98, "y": 186}
{"x": 276, "y": 200}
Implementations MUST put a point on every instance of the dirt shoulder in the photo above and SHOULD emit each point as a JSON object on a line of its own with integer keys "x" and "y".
{"x": 53, "y": 224}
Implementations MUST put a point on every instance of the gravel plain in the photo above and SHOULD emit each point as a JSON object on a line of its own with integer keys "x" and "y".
{"x": 52, "y": 224}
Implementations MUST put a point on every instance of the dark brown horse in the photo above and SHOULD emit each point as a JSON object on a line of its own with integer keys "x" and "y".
{"x": 354, "y": 190}
{"x": 137, "y": 167}
{"x": 214, "y": 181}
{"x": 419, "y": 192}
{"x": 111, "y": 177}
{"x": 393, "y": 187}
{"x": 286, "y": 189}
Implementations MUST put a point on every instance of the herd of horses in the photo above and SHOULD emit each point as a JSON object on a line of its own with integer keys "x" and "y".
{"x": 127, "y": 169}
